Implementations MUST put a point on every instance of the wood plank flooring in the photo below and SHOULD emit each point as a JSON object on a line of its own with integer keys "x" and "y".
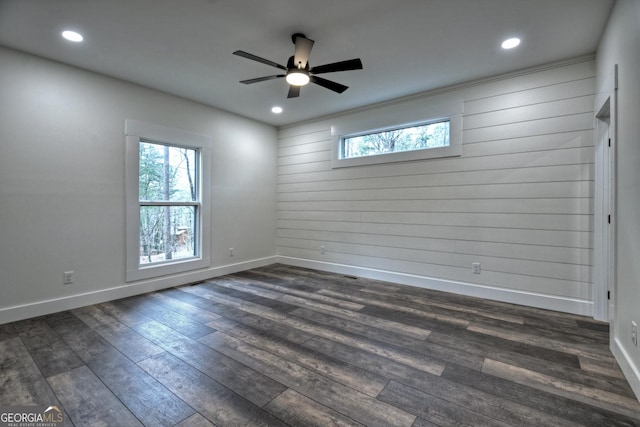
{"x": 286, "y": 346}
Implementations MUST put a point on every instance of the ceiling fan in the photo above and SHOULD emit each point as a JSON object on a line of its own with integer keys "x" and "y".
{"x": 298, "y": 73}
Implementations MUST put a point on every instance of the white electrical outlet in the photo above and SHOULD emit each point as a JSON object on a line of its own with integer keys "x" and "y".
{"x": 475, "y": 268}
{"x": 322, "y": 250}
{"x": 231, "y": 251}
{"x": 634, "y": 333}
{"x": 67, "y": 277}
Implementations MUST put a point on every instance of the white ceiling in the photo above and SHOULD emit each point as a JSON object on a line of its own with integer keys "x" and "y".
{"x": 184, "y": 47}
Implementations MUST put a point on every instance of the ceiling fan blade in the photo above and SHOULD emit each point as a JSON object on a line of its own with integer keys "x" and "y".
{"x": 294, "y": 91}
{"x": 336, "y": 87}
{"x": 261, "y": 79}
{"x": 303, "y": 49}
{"x": 258, "y": 59}
{"x": 351, "y": 64}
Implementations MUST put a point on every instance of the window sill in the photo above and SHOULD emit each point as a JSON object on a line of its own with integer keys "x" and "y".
{"x": 159, "y": 270}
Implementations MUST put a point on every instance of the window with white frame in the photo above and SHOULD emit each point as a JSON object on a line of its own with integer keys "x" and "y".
{"x": 404, "y": 138}
{"x": 167, "y": 213}
{"x": 169, "y": 202}
{"x": 418, "y": 129}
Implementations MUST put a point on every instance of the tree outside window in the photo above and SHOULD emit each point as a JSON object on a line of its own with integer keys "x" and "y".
{"x": 431, "y": 135}
{"x": 169, "y": 204}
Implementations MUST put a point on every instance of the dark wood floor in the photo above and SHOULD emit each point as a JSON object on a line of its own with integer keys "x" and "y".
{"x": 282, "y": 346}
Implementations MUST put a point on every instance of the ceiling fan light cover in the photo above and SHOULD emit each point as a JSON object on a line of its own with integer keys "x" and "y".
{"x": 298, "y": 77}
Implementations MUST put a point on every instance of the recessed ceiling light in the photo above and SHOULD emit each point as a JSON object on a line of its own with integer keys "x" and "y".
{"x": 276, "y": 110}
{"x": 72, "y": 36}
{"x": 510, "y": 43}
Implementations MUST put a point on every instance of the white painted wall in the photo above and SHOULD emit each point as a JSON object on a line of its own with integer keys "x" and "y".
{"x": 620, "y": 45}
{"x": 62, "y": 184}
{"x": 519, "y": 200}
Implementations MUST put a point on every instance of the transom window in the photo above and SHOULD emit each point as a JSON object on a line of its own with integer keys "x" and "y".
{"x": 419, "y": 131}
{"x": 409, "y": 138}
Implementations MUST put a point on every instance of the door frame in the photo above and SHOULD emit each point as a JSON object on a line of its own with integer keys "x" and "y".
{"x": 605, "y": 135}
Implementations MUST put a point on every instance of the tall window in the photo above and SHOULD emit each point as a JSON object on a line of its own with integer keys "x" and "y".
{"x": 169, "y": 202}
{"x": 167, "y": 215}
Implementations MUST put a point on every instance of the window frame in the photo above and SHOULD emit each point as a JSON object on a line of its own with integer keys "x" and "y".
{"x": 386, "y": 118}
{"x": 135, "y": 133}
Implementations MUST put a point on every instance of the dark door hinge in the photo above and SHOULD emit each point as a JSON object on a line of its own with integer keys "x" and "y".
{"x": 608, "y": 294}
{"x": 609, "y": 219}
{"x": 609, "y": 142}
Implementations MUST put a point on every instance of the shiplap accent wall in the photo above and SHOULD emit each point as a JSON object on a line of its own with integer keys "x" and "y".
{"x": 519, "y": 200}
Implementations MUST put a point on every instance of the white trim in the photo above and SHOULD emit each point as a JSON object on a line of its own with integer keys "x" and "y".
{"x": 40, "y": 308}
{"x": 569, "y": 305}
{"x": 630, "y": 371}
{"x": 135, "y": 131}
{"x": 548, "y": 302}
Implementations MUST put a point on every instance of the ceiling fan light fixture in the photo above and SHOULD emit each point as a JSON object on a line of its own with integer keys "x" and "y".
{"x": 298, "y": 77}
{"x": 298, "y": 73}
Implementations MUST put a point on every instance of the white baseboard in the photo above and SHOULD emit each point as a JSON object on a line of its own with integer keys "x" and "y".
{"x": 629, "y": 369}
{"x": 549, "y": 302}
{"x": 40, "y": 308}
{"x": 575, "y": 306}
